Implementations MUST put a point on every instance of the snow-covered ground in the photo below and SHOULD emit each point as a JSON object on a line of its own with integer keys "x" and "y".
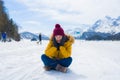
{"x": 92, "y": 60}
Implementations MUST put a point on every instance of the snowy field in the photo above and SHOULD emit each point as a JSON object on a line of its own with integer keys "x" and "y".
{"x": 92, "y": 60}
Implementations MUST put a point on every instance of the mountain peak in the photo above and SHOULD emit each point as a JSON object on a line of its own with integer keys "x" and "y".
{"x": 107, "y": 25}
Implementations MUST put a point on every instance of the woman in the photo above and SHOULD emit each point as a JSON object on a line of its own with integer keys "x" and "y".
{"x": 58, "y": 52}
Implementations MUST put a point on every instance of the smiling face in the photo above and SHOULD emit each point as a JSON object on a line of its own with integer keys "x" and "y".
{"x": 58, "y": 38}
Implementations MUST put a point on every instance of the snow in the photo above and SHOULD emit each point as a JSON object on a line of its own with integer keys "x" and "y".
{"x": 92, "y": 60}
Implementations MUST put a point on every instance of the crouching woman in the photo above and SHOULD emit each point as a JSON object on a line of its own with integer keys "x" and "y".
{"x": 58, "y": 52}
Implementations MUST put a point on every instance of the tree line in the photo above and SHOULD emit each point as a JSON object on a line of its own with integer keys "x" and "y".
{"x": 7, "y": 24}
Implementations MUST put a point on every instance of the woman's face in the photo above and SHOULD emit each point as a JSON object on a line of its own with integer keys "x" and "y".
{"x": 58, "y": 38}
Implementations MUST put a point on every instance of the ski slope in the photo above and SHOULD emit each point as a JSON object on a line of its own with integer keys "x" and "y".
{"x": 92, "y": 60}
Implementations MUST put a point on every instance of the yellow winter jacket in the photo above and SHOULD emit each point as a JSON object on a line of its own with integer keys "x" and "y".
{"x": 63, "y": 52}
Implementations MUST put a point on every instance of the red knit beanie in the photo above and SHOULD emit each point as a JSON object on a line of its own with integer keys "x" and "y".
{"x": 58, "y": 30}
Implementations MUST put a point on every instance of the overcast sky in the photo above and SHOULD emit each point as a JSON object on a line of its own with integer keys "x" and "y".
{"x": 42, "y": 15}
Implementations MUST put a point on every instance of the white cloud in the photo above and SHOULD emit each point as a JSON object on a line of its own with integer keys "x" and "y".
{"x": 32, "y": 22}
{"x": 87, "y": 11}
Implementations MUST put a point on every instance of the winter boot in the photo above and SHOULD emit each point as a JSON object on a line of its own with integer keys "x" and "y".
{"x": 61, "y": 68}
{"x": 47, "y": 68}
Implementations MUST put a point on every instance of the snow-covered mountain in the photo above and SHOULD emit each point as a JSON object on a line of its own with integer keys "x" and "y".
{"x": 106, "y": 25}
{"x": 102, "y": 29}
{"x": 29, "y": 35}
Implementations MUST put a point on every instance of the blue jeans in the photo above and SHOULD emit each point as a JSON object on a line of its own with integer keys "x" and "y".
{"x": 53, "y": 62}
